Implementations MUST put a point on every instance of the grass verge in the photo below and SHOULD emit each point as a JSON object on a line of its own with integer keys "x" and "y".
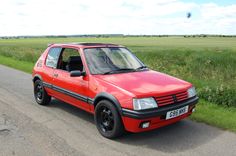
{"x": 20, "y": 65}
{"x": 216, "y": 115}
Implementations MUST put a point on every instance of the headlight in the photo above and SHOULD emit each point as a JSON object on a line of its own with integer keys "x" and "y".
{"x": 145, "y": 103}
{"x": 191, "y": 92}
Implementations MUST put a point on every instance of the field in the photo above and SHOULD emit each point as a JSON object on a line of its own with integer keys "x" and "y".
{"x": 209, "y": 63}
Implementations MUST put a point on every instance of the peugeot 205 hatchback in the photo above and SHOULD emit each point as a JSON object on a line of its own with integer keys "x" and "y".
{"x": 113, "y": 84}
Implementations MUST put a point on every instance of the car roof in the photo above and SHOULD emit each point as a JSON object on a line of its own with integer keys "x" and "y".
{"x": 85, "y": 45}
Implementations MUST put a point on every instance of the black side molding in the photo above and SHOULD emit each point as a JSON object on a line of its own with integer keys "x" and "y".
{"x": 102, "y": 95}
{"x": 69, "y": 93}
{"x": 158, "y": 111}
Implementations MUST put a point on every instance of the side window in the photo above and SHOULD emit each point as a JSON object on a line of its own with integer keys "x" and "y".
{"x": 68, "y": 52}
{"x": 70, "y": 60}
{"x": 52, "y": 57}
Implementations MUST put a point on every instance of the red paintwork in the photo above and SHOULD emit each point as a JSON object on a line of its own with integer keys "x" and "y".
{"x": 124, "y": 87}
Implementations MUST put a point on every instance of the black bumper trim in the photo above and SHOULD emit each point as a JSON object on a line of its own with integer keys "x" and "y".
{"x": 158, "y": 111}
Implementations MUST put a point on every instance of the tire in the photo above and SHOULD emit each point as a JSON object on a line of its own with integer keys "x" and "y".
{"x": 40, "y": 94}
{"x": 108, "y": 120}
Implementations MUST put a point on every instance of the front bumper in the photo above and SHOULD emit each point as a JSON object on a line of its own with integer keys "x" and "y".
{"x": 157, "y": 117}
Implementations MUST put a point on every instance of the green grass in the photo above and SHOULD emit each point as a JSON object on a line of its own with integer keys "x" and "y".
{"x": 209, "y": 63}
{"x": 20, "y": 65}
{"x": 216, "y": 115}
{"x": 29, "y": 49}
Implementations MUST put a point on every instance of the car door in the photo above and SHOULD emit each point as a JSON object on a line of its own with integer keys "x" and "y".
{"x": 73, "y": 90}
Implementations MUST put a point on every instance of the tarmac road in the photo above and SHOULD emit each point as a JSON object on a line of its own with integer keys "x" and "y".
{"x": 60, "y": 129}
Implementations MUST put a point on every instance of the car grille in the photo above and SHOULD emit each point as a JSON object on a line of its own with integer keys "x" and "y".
{"x": 170, "y": 99}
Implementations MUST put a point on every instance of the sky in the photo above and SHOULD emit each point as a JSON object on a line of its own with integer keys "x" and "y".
{"x": 129, "y": 17}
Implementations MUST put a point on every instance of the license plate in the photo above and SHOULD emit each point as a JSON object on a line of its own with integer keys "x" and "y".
{"x": 176, "y": 113}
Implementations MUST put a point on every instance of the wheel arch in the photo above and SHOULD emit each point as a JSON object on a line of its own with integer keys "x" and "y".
{"x": 37, "y": 77}
{"x": 109, "y": 97}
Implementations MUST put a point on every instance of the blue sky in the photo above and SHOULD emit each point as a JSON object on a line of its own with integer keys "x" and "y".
{"x": 60, "y": 17}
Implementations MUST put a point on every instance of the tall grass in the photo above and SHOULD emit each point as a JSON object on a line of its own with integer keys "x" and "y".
{"x": 209, "y": 63}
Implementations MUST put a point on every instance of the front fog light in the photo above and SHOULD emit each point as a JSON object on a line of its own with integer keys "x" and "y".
{"x": 145, "y": 124}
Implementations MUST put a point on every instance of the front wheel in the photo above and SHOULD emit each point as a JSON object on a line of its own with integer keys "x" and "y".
{"x": 40, "y": 94}
{"x": 108, "y": 120}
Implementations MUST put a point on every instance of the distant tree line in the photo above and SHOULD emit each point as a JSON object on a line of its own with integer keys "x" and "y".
{"x": 204, "y": 35}
{"x": 113, "y": 35}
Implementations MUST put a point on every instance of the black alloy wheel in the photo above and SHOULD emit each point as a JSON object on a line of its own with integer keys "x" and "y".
{"x": 40, "y": 94}
{"x": 108, "y": 120}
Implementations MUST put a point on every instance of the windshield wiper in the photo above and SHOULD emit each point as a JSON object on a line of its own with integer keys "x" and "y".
{"x": 141, "y": 67}
{"x": 119, "y": 70}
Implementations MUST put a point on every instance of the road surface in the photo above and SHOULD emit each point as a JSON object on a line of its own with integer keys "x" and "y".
{"x": 60, "y": 129}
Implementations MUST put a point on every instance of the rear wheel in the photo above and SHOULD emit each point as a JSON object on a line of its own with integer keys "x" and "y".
{"x": 40, "y": 94}
{"x": 108, "y": 120}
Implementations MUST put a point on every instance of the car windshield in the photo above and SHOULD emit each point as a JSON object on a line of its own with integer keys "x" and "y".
{"x": 109, "y": 60}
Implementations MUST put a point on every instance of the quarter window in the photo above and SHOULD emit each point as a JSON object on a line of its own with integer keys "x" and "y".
{"x": 52, "y": 57}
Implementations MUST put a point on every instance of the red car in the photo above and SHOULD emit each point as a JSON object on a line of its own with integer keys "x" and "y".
{"x": 110, "y": 82}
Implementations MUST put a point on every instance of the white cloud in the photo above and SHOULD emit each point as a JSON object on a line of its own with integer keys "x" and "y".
{"x": 32, "y": 17}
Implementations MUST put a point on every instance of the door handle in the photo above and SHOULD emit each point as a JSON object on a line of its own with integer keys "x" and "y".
{"x": 55, "y": 75}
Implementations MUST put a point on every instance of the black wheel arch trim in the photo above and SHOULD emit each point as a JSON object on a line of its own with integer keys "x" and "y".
{"x": 144, "y": 114}
{"x": 37, "y": 76}
{"x": 105, "y": 95}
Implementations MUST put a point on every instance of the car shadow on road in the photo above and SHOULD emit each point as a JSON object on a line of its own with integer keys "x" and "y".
{"x": 177, "y": 137}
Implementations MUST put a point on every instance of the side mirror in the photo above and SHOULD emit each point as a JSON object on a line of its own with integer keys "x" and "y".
{"x": 77, "y": 73}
